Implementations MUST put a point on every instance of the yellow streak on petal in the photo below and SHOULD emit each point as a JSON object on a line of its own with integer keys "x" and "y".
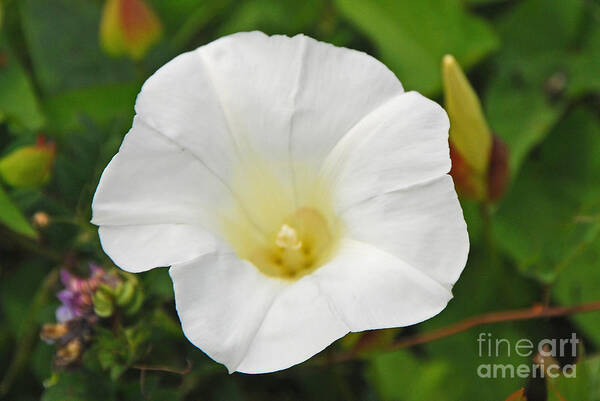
{"x": 286, "y": 229}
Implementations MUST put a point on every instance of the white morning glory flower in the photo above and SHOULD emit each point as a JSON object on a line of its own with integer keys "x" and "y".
{"x": 296, "y": 191}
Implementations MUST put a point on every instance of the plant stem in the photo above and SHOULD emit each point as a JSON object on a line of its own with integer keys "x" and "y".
{"x": 485, "y": 211}
{"x": 534, "y": 312}
{"x": 168, "y": 369}
{"x": 32, "y": 246}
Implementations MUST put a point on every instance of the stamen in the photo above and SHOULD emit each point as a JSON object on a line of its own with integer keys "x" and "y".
{"x": 288, "y": 238}
{"x": 287, "y": 241}
{"x": 303, "y": 243}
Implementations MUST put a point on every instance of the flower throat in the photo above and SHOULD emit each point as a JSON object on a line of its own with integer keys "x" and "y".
{"x": 268, "y": 229}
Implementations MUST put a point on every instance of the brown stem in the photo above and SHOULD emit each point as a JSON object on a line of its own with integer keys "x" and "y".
{"x": 37, "y": 248}
{"x": 168, "y": 369}
{"x": 534, "y": 312}
{"x": 555, "y": 391}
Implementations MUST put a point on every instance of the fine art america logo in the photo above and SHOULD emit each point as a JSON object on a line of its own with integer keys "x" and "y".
{"x": 543, "y": 354}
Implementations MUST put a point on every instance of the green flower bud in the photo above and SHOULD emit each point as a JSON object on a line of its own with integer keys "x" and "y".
{"x": 128, "y": 27}
{"x": 124, "y": 293}
{"x": 103, "y": 304}
{"x": 479, "y": 158}
{"x": 28, "y": 166}
{"x": 469, "y": 130}
{"x": 136, "y": 303}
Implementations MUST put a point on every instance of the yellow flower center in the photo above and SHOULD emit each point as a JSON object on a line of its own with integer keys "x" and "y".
{"x": 301, "y": 245}
{"x": 269, "y": 229}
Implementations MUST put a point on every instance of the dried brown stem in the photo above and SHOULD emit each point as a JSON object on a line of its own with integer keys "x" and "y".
{"x": 535, "y": 312}
{"x": 161, "y": 368}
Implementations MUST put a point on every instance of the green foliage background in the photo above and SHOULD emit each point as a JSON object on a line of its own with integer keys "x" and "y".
{"x": 536, "y": 66}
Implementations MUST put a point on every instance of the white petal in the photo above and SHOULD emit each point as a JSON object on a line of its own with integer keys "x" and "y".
{"x": 299, "y": 324}
{"x": 152, "y": 184}
{"x": 248, "y": 321}
{"x": 422, "y": 225}
{"x": 221, "y": 301}
{"x": 139, "y": 248}
{"x": 372, "y": 289}
{"x": 294, "y": 97}
{"x": 256, "y": 324}
{"x": 152, "y": 180}
{"x": 180, "y": 101}
{"x": 401, "y": 143}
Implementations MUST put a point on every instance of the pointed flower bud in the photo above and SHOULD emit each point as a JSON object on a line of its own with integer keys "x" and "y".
{"x": 28, "y": 166}
{"x": 128, "y": 27}
{"x": 479, "y": 158}
{"x": 469, "y": 131}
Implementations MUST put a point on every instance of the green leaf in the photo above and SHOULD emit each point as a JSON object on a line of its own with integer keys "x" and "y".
{"x": 100, "y": 104}
{"x": 401, "y": 376}
{"x": 41, "y": 361}
{"x": 154, "y": 389}
{"x": 481, "y": 2}
{"x": 82, "y": 157}
{"x": 79, "y": 386}
{"x": 13, "y": 218}
{"x": 16, "y": 292}
{"x": 62, "y": 36}
{"x": 579, "y": 284}
{"x": 519, "y": 112}
{"x": 158, "y": 284}
{"x": 18, "y": 101}
{"x": 183, "y": 19}
{"x": 273, "y": 17}
{"x": 584, "y": 386}
{"x": 412, "y": 37}
{"x": 111, "y": 349}
{"x": 584, "y": 61}
{"x": 547, "y": 218}
{"x": 527, "y": 94}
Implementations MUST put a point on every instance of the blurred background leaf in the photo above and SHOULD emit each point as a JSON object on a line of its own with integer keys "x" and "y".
{"x": 13, "y": 218}
{"x": 534, "y": 81}
{"x": 551, "y": 214}
{"x": 18, "y": 101}
{"x": 70, "y": 57}
{"x": 533, "y": 63}
{"x": 412, "y": 39}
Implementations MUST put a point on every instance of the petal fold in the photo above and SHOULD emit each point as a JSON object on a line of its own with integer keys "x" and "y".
{"x": 402, "y": 143}
{"x": 222, "y": 301}
{"x": 372, "y": 289}
{"x": 248, "y": 321}
{"x": 256, "y": 324}
{"x": 423, "y": 225}
{"x": 138, "y": 248}
{"x": 155, "y": 203}
{"x": 299, "y": 103}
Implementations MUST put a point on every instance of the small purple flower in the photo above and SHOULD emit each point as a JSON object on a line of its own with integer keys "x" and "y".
{"x": 76, "y": 298}
{"x": 64, "y": 314}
